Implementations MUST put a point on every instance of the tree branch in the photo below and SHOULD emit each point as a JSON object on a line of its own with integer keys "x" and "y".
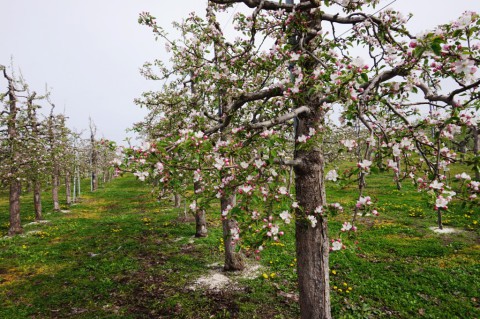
{"x": 281, "y": 119}
{"x": 272, "y": 5}
{"x": 242, "y": 100}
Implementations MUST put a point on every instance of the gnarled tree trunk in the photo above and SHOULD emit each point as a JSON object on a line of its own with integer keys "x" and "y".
{"x": 311, "y": 242}
{"x": 233, "y": 259}
{"x": 15, "y": 186}
{"x": 200, "y": 218}
{"x": 15, "y": 223}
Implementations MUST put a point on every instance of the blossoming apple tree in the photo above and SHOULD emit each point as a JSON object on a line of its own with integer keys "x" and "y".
{"x": 270, "y": 89}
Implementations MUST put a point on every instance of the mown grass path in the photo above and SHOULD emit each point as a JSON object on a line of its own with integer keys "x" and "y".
{"x": 120, "y": 254}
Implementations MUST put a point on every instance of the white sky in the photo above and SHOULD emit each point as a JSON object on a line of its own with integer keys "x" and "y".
{"x": 89, "y": 51}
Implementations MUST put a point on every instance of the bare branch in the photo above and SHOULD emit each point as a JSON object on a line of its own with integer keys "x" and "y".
{"x": 448, "y": 99}
{"x": 242, "y": 100}
{"x": 272, "y": 5}
{"x": 281, "y": 119}
{"x": 294, "y": 162}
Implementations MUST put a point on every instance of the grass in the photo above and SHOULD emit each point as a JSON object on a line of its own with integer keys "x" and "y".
{"x": 120, "y": 254}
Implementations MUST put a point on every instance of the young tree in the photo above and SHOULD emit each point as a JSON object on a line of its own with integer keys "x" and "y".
{"x": 93, "y": 157}
{"x": 37, "y": 152}
{"x": 54, "y": 149}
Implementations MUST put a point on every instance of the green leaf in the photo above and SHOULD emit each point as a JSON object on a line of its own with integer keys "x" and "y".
{"x": 364, "y": 77}
{"x": 436, "y": 48}
{"x": 417, "y": 53}
{"x": 457, "y": 33}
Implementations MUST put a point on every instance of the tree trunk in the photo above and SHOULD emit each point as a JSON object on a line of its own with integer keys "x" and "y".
{"x": 290, "y": 179}
{"x": 200, "y": 218}
{"x": 55, "y": 183}
{"x": 200, "y": 224}
{"x": 37, "y": 199}
{"x": 476, "y": 147}
{"x": 74, "y": 187}
{"x": 397, "y": 173}
{"x": 439, "y": 219}
{"x": 15, "y": 223}
{"x": 93, "y": 157}
{"x": 178, "y": 200}
{"x": 311, "y": 242}
{"x": 94, "y": 181}
{"x": 68, "y": 188}
{"x": 233, "y": 260}
{"x": 15, "y": 186}
{"x": 78, "y": 184}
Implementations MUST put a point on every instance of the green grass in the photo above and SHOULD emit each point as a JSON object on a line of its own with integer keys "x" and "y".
{"x": 121, "y": 254}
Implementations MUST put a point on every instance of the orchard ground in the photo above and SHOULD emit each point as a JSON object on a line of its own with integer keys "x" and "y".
{"x": 118, "y": 253}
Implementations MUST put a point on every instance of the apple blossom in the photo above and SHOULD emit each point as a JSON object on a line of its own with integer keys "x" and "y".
{"x": 332, "y": 175}
{"x": 312, "y": 220}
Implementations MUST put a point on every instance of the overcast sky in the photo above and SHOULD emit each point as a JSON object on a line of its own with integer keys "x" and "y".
{"x": 89, "y": 51}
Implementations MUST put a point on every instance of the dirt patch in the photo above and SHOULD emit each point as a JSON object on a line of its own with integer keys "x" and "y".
{"x": 218, "y": 280}
{"x": 223, "y": 303}
{"x": 40, "y": 222}
{"x": 445, "y": 230}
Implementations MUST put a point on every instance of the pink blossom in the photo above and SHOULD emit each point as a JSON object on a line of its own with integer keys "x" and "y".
{"x": 365, "y": 165}
{"x": 347, "y": 226}
{"x": 312, "y": 220}
{"x": 282, "y": 190}
{"x": 350, "y": 144}
{"x": 332, "y": 175}
{"x": 363, "y": 201}
{"x": 436, "y": 185}
{"x": 337, "y": 245}
{"x": 464, "y": 176}
{"x": 285, "y": 215}
{"x": 441, "y": 202}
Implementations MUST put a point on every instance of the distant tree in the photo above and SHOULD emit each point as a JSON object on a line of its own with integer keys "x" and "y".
{"x": 93, "y": 157}
{"x": 12, "y": 158}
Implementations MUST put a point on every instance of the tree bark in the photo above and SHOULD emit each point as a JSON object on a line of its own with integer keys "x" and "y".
{"x": 55, "y": 183}
{"x": 15, "y": 223}
{"x": 93, "y": 157}
{"x": 311, "y": 242}
{"x": 233, "y": 259}
{"x": 68, "y": 188}
{"x": 37, "y": 199}
{"x": 94, "y": 181}
{"x": 178, "y": 200}
{"x": 200, "y": 218}
{"x": 397, "y": 173}
{"x": 15, "y": 186}
{"x": 439, "y": 219}
{"x": 476, "y": 147}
